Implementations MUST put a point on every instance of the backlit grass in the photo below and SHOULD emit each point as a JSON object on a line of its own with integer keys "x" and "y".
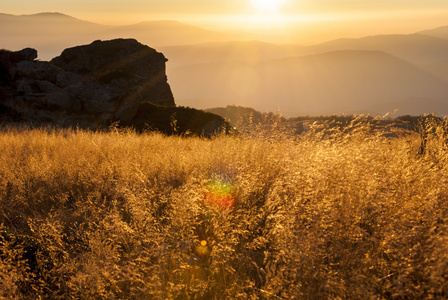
{"x": 330, "y": 214}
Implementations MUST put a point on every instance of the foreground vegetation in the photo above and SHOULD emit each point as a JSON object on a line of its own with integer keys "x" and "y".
{"x": 345, "y": 212}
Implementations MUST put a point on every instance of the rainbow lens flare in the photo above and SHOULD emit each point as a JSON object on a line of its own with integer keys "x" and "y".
{"x": 202, "y": 249}
{"x": 219, "y": 194}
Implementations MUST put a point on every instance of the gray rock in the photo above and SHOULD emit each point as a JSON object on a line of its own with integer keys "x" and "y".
{"x": 38, "y": 70}
{"x": 64, "y": 79}
{"x": 94, "y": 97}
{"x": 62, "y": 100}
{"x": 27, "y": 54}
{"x": 36, "y": 87}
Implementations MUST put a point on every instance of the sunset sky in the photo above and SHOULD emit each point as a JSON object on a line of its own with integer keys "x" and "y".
{"x": 318, "y": 19}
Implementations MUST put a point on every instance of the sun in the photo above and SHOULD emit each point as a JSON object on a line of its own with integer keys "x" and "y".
{"x": 267, "y": 14}
{"x": 267, "y": 5}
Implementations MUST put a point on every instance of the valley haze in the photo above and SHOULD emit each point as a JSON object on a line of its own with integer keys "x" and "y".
{"x": 206, "y": 68}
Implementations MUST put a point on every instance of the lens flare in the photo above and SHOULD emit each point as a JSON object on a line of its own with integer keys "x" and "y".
{"x": 219, "y": 195}
{"x": 202, "y": 249}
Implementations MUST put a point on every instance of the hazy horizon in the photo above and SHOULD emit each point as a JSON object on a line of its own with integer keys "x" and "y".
{"x": 278, "y": 21}
{"x": 219, "y": 62}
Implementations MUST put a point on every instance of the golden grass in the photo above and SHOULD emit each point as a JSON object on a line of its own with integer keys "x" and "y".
{"x": 119, "y": 215}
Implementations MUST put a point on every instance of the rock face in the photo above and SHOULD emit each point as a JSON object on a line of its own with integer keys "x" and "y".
{"x": 128, "y": 71}
{"x": 106, "y": 78}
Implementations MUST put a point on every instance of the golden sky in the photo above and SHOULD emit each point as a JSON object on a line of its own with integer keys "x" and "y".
{"x": 314, "y": 20}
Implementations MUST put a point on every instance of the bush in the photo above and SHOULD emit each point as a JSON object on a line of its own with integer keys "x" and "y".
{"x": 175, "y": 120}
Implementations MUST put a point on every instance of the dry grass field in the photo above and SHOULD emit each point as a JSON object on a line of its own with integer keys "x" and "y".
{"x": 346, "y": 213}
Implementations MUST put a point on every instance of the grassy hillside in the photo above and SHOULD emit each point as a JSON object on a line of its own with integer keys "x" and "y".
{"x": 341, "y": 213}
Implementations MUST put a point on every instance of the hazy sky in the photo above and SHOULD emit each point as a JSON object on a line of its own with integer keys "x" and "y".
{"x": 142, "y": 7}
{"x": 314, "y": 17}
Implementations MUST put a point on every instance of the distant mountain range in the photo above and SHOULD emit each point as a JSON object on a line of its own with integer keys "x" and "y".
{"x": 50, "y": 33}
{"x": 348, "y": 81}
{"x": 374, "y": 74}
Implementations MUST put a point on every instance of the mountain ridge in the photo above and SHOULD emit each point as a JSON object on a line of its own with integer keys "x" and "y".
{"x": 440, "y": 32}
{"x": 62, "y": 31}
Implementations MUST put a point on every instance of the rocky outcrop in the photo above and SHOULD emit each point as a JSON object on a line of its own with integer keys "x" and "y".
{"x": 106, "y": 78}
{"x": 128, "y": 71}
{"x": 103, "y": 82}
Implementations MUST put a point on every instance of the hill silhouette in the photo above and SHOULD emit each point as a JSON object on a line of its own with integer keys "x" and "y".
{"x": 237, "y": 114}
{"x": 416, "y": 48}
{"x": 439, "y": 32}
{"x": 50, "y": 33}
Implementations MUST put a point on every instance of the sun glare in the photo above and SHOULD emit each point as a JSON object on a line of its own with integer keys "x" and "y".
{"x": 267, "y": 14}
{"x": 267, "y": 5}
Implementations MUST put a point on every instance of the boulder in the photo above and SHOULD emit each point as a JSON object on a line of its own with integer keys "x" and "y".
{"x": 37, "y": 70}
{"x": 125, "y": 64}
{"x": 29, "y": 54}
{"x": 63, "y": 101}
{"x": 64, "y": 79}
{"x": 95, "y": 98}
{"x": 30, "y": 87}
